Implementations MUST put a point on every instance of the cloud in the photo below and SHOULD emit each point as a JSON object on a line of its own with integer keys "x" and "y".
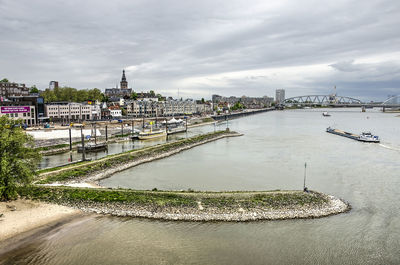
{"x": 204, "y": 47}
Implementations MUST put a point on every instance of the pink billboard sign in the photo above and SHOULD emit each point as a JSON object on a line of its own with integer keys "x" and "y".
{"x": 15, "y": 109}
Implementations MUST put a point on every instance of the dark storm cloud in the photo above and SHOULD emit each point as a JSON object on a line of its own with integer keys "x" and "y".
{"x": 205, "y": 47}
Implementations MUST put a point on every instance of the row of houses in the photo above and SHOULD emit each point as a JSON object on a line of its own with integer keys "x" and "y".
{"x": 248, "y": 102}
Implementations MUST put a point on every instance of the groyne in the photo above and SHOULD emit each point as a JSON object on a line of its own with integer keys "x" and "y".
{"x": 192, "y": 206}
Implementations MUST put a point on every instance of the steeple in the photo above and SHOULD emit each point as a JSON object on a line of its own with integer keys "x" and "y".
{"x": 124, "y": 83}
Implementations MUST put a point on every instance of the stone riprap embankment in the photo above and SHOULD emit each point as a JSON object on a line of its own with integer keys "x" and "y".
{"x": 194, "y": 206}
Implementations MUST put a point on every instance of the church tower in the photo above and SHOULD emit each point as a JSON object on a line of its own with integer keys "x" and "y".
{"x": 123, "y": 83}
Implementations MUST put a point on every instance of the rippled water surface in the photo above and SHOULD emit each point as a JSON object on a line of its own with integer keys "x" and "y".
{"x": 271, "y": 155}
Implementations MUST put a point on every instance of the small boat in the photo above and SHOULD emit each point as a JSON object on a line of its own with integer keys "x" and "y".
{"x": 151, "y": 134}
{"x": 326, "y": 114}
{"x": 91, "y": 147}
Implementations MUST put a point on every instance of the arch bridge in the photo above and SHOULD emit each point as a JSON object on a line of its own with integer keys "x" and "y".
{"x": 323, "y": 100}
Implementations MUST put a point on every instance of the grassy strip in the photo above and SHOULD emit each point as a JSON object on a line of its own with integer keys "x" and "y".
{"x": 51, "y": 147}
{"x": 274, "y": 200}
{"x": 85, "y": 168}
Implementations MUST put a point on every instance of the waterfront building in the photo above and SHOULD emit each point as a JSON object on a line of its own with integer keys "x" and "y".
{"x": 17, "y": 107}
{"x": 10, "y": 89}
{"x": 248, "y": 102}
{"x": 26, "y": 113}
{"x": 71, "y": 111}
{"x": 115, "y": 111}
{"x": 153, "y": 107}
{"x": 279, "y": 96}
{"x": 122, "y": 92}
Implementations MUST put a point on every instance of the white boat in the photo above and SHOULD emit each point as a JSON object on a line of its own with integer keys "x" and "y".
{"x": 326, "y": 114}
{"x": 151, "y": 134}
{"x": 368, "y": 137}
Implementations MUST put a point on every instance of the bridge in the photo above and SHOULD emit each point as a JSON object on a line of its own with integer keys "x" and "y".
{"x": 340, "y": 101}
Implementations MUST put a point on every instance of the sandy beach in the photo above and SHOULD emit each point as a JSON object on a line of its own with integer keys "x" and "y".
{"x": 24, "y": 215}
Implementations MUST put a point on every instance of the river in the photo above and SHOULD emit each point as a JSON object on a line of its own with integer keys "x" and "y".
{"x": 270, "y": 155}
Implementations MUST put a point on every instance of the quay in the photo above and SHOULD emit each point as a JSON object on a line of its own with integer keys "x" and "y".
{"x": 239, "y": 114}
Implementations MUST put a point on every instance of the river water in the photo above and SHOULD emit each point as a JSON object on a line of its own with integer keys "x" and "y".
{"x": 270, "y": 155}
{"x": 119, "y": 147}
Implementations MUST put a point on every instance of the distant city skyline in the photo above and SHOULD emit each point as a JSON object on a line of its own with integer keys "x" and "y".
{"x": 203, "y": 48}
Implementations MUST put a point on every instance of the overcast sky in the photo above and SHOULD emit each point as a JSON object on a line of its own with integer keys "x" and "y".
{"x": 205, "y": 47}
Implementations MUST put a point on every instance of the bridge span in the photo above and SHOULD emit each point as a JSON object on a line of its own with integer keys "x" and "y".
{"x": 340, "y": 101}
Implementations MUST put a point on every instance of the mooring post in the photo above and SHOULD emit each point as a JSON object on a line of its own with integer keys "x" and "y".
{"x": 166, "y": 128}
{"x": 70, "y": 145}
{"x": 83, "y": 144}
{"x": 70, "y": 140}
{"x": 95, "y": 135}
{"x": 106, "y": 134}
{"x": 305, "y": 169}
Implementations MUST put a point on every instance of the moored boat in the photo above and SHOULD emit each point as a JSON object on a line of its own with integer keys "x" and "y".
{"x": 151, "y": 134}
{"x": 326, "y": 114}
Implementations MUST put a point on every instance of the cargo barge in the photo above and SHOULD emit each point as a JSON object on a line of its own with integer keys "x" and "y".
{"x": 363, "y": 137}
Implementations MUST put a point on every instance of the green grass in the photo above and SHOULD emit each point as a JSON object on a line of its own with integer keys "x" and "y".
{"x": 176, "y": 199}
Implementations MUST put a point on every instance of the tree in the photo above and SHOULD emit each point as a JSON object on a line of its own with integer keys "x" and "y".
{"x": 4, "y": 80}
{"x": 48, "y": 95}
{"x": 34, "y": 90}
{"x": 94, "y": 94}
{"x": 18, "y": 158}
{"x": 104, "y": 98}
{"x": 160, "y": 97}
{"x": 152, "y": 94}
{"x": 134, "y": 96}
{"x": 202, "y": 100}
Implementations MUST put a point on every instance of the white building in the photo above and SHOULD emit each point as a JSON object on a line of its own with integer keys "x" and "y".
{"x": 71, "y": 111}
{"x": 279, "y": 96}
{"x": 115, "y": 111}
{"x": 25, "y": 113}
{"x": 152, "y": 108}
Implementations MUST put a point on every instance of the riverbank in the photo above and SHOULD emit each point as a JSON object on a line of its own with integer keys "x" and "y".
{"x": 193, "y": 206}
{"x": 24, "y": 215}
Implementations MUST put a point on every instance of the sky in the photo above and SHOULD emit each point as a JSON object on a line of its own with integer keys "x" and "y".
{"x": 198, "y": 48}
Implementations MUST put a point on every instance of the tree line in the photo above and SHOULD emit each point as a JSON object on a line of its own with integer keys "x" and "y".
{"x": 71, "y": 94}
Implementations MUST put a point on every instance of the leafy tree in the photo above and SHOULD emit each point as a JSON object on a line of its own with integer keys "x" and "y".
{"x": 4, "y": 80}
{"x": 160, "y": 97}
{"x": 202, "y": 100}
{"x": 71, "y": 94}
{"x": 104, "y": 98}
{"x": 18, "y": 158}
{"x": 49, "y": 95}
{"x": 94, "y": 94}
{"x": 152, "y": 94}
{"x": 238, "y": 106}
{"x": 34, "y": 90}
{"x": 134, "y": 96}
